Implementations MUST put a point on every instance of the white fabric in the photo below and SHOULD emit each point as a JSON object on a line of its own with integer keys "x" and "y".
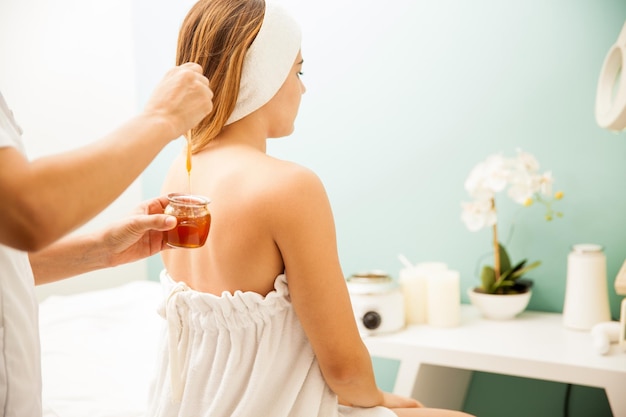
{"x": 20, "y": 367}
{"x": 268, "y": 61}
{"x": 239, "y": 355}
{"x": 10, "y": 131}
{"x": 98, "y": 351}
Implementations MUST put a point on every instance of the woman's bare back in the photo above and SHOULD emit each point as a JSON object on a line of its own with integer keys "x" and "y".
{"x": 245, "y": 187}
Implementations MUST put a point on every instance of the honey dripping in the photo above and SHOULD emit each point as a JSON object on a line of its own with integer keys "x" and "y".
{"x": 189, "y": 160}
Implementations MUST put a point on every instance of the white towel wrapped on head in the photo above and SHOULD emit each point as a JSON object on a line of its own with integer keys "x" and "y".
{"x": 268, "y": 61}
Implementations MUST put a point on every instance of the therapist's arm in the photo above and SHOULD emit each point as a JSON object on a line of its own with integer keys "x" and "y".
{"x": 45, "y": 199}
{"x": 135, "y": 237}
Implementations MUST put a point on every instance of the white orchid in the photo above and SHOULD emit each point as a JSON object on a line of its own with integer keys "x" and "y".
{"x": 488, "y": 178}
{"x": 545, "y": 184}
{"x": 479, "y": 214}
{"x": 520, "y": 173}
{"x": 528, "y": 162}
{"x": 525, "y": 185}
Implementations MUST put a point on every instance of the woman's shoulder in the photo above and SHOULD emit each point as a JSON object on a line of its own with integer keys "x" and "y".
{"x": 295, "y": 199}
{"x": 292, "y": 167}
{"x": 291, "y": 177}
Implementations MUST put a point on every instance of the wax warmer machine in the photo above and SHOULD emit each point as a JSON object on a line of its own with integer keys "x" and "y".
{"x": 377, "y": 302}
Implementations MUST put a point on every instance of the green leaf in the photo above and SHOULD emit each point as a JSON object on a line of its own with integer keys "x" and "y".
{"x": 487, "y": 278}
{"x": 519, "y": 265}
{"x": 521, "y": 271}
{"x": 506, "y": 275}
{"x": 501, "y": 285}
{"x": 514, "y": 273}
{"x": 505, "y": 261}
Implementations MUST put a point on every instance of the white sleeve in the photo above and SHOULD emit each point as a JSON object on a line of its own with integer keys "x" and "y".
{"x": 10, "y": 132}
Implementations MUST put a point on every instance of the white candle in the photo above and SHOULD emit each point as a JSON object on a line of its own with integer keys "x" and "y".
{"x": 414, "y": 284}
{"x": 444, "y": 298}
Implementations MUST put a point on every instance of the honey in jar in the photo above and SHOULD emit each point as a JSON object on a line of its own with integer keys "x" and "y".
{"x": 194, "y": 220}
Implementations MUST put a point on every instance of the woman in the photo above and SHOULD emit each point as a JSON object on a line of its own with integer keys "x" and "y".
{"x": 259, "y": 319}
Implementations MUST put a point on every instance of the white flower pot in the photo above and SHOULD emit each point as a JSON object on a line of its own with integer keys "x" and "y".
{"x": 499, "y": 306}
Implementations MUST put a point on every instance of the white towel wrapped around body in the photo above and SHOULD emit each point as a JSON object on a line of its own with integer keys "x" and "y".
{"x": 239, "y": 355}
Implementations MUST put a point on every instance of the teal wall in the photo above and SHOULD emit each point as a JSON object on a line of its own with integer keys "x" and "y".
{"x": 405, "y": 97}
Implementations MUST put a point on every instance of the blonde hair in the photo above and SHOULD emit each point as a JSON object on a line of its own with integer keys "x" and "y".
{"x": 217, "y": 34}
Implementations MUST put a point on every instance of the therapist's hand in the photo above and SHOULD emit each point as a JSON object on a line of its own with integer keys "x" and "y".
{"x": 182, "y": 99}
{"x": 140, "y": 235}
{"x": 136, "y": 237}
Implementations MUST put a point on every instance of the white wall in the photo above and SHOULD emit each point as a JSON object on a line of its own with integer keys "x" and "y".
{"x": 68, "y": 74}
{"x": 405, "y": 97}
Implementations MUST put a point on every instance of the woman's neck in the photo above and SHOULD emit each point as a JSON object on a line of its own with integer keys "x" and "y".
{"x": 242, "y": 133}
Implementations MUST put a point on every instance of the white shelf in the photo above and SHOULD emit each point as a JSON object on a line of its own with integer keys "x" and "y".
{"x": 534, "y": 345}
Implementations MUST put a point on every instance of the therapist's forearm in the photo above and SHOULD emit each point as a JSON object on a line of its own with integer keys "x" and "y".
{"x": 70, "y": 256}
{"x": 71, "y": 188}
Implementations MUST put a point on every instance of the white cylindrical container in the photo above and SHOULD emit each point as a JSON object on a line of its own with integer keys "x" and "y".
{"x": 377, "y": 302}
{"x": 414, "y": 285}
{"x": 586, "y": 293}
{"x": 444, "y": 299}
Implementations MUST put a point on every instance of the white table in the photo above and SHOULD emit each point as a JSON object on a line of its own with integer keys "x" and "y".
{"x": 436, "y": 364}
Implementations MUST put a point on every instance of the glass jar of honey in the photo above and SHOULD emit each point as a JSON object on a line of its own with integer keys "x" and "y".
{"x": 194, "y": 220}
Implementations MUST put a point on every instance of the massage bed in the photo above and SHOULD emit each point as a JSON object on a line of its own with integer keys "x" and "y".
{"x": 98, "y": 350}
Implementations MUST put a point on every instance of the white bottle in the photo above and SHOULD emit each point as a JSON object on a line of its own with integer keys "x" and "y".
{"x": 586, "y": 292}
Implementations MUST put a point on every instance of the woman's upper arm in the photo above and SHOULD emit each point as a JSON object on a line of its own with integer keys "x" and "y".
{"x": 306, "y": 237}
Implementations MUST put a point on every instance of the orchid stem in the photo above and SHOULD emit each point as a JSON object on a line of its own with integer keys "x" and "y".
{"x": 496, "y": 246}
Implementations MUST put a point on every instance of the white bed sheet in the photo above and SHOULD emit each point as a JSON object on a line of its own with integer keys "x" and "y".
{"x": 98, "y": 351}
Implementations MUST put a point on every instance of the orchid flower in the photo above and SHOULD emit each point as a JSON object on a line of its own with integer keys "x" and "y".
{"x": 525, "y": 185}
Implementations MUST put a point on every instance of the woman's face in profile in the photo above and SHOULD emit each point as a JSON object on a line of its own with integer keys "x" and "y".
{"x": 283, "y": 107}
